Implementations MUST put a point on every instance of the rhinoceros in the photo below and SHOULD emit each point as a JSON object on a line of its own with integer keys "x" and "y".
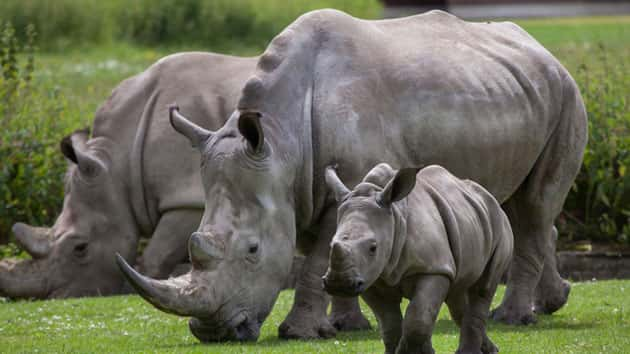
{"x": 132, "y": 178}
{"x": 426, "y": 236}
{"x": 484, "y": 100}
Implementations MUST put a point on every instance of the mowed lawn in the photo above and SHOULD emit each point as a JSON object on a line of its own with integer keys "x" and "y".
{"x": 596, "y": 320}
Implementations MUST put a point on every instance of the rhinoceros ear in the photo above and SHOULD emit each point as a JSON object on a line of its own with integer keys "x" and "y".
{"x": 79, "y": 136}
{"x": 340, "y": 191}
{"x": 399, "y": 187}
{"x": 74, "y": 148}
{"x": 196, "y": 134}
{"x": 250, "y": 127}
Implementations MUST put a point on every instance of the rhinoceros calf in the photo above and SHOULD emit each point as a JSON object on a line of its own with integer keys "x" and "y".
{"x": 445, "y": 239}
{"x": 133, "y": 177}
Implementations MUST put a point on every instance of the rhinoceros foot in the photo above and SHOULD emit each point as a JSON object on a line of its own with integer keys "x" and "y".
{"x": 306, "y": 327}
{"x": 346, "y": 322}
{"x": 487, "y": 347}
{"x": 512, "y": 315}
{"x": 551, "y": 300}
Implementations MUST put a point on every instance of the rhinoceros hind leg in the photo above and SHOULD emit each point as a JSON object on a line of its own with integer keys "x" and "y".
{"x": 534, "y": 206}
{"x": 346, "y": 315}
{"x": 552, "y": 291}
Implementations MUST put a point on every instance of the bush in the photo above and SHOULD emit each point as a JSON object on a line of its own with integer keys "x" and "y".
{"x": 598, "y": 208}
{"x": 159, "y": 22}
{"x": 33, "y": 119}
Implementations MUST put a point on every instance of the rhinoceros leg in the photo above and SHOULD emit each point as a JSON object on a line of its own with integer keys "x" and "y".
{"x": 552, "y": 291}
{"x": 307, "y": 318}
{"x": 429, "y": 293}
{"x": 386, "y": 306}
{"x": 534, "y": 206}
{"x": 168, "y": 245}
{"x": 346, "y": 314}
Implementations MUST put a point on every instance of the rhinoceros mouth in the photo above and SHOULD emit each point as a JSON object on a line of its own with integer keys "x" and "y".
{"x": 347, "y": 284}
{"x": 239, "y": 327}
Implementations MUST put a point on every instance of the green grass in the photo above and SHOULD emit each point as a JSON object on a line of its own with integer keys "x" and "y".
{"x": 596, "y": 319}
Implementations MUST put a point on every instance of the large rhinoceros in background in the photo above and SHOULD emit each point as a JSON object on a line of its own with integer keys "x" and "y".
{"x": 484, "y": 100}
{"x": 132, "y": 178}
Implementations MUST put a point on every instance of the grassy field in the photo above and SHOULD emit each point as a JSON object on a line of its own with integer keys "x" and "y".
{"x": 596, "y": 320}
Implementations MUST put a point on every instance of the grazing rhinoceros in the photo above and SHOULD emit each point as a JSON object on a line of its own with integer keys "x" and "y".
{"x": 133, "y": 177}
{"x": 426, "y": 236}
{"x": 485, "y": 100}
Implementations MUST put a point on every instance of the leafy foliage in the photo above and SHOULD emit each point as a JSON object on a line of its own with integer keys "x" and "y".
{"x": 159, "y": 22}
{"x": 599, "y": 206}
{"x": 31, "y": 173}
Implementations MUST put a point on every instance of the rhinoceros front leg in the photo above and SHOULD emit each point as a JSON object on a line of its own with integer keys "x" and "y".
{"x": 168, "y": 246}
{"x": 429, "y": 293}
{"x": 386, "y": 306}
{"x": 307, "y": 318}
{"x": 346, "y": 314}
{"x": 552, "y": 291}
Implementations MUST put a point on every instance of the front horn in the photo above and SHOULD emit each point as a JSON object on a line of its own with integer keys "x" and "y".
{"x": 34, "y": 240}
{"x": 175, "y": 295}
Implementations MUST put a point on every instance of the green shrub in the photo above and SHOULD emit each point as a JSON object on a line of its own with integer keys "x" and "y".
{"x": 33, "y": 119}
{"x": 159, "y": 22}
{"x": 598, "y": 208}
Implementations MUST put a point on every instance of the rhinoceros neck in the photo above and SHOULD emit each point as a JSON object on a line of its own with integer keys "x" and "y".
{"x": 398, "y": 242}
{"x": 281, "y": 89}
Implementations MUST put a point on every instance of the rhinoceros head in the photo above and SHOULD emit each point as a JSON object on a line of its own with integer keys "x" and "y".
{"x": 74, "y": 257}
{"x": 242, "y": 252}
{"x": 366, "y": 223}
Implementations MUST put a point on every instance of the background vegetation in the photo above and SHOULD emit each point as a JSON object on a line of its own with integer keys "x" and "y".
{"x": 88, "y": 46}
{"x": 596, "y": 320}
{"x": 66, "y": 23}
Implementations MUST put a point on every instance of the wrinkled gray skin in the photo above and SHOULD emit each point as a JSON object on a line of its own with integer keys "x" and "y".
{"x": 132, "y": 178}
{"x": 484, "y": 100}
{"x": 429, "y": 237}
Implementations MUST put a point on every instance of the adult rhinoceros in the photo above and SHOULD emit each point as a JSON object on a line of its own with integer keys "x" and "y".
{"x": 485, "y": 100}
{"x": 133, "y": 177}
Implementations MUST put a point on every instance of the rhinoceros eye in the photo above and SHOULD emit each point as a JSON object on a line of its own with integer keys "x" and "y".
{"x": 80, "y": 250}
{"x": 373, "y": 249}
{"x": 253, "y": 248}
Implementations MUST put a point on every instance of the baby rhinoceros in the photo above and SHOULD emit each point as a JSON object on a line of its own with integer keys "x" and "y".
{"x": 426, "y": 236}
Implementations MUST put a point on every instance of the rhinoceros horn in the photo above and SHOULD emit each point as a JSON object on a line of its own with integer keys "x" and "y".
{"x": 338, "y": 256}
{"x": 34, "y": 240}
{"x": 335, "y": 185}
{"x": 196, "y": 134}
{"x": 178, "y": 296}
{"x": 205, "y": 251}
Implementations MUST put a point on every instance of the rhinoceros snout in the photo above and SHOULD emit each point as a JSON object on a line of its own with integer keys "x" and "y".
{"x": 241, "y": 329}
{"x": 351, "y": 287}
